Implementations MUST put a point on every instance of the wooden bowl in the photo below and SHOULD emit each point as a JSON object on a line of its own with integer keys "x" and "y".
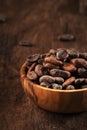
{"x": 61, "y": 101}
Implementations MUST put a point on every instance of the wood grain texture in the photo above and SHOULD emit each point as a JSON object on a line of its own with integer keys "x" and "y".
{"x": 39, "y": 22}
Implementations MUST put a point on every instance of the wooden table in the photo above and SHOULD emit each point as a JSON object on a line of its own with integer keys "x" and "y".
{"x": 40, "y": 23}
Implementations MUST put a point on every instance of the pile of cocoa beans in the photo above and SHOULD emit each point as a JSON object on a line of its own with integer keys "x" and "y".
{"x": 64, "y": 69}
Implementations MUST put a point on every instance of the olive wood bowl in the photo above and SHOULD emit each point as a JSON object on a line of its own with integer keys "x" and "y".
{"x": 61, "y": 101}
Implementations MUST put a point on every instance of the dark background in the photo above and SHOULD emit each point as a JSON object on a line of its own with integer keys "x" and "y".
{"x": 39, "y": 22}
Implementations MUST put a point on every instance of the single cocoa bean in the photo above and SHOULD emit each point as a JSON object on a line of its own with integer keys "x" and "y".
{"x": 69, "y": 67}
{"x": 70, "y": 87}
{"x": 33, "y": 58}
{"x": 79, "y": 81}
{"x": 53, "y": 60}
{"x": 66, "y": 37}
{"x": 38, "y": 70}
{"x": 60, "y": 73}
{"x": 46, "y": 78}
{"x": 79, "y": 62}
{"x": 73, "y": 53}
{"x": 26, "y": 43}
{"x": 56, "y": 86}
{"x": 49, "y": 65}
{"x": 52, "y": 51}
{"x": 32, "y": 75}
{"x": 59, "y": 80}
{"x": 69, "y": 81}
{"x": 62, "y": 54}
{"x": 45, "y": 84}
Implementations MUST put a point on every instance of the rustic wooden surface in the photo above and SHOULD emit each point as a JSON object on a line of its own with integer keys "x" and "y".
{"x": 40, "y": 23}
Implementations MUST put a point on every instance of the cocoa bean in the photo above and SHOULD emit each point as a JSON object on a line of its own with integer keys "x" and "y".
{"x": 45, "y": 84}
{"x": 58, "y": 69}
{"x": 69, "y": 67}
{"x": 73, "y": 53}
{"x": 53, "y": 60}
{"x": 56, "y": 86}
{"x": 66, "y": 37}
{"x": 31, "y": 68}
{"x": 38, "y": 70}
{"x": 52, "y": 51}
{"x": 26, "y": 43}
{"x": 59, "y": 73}
{"x": 70, "y": 87}
{"x": 49, "y": 65}
{"x": 33, "y": 58}
{"x": 79, "y": 81}
{"x": 79, "y": 62}
{"x": 69, "y": 81}
{"x": 32, "y": 75}
{"x": 46, "y": 78}
{"x": 59, "y": 80}
{"x": 62, "y": 54}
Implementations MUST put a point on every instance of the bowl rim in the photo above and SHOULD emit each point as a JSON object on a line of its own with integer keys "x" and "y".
{"x": 24, "y": 77}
